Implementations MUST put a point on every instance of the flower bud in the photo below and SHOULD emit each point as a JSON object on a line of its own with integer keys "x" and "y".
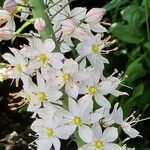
{"x": 68, "y": 26}
{"x": 39, "y": 24}
{"x": 95, "y": 15}
{"x": 6, "y": 34}
{"x": 10, "y": 5}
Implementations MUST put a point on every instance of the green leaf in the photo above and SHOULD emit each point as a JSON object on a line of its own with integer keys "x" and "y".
{"x": 138, "y": 91}
{"x": 126, "y": 33}
{"x": 135, "y": 70}
{"x": 130, "y": 103}
{"x": 147, "y": 45}
{"x": 146, "y": 3}
{"x": 133, "y": 14}
{"x": 115, "y": 4}
{"x": 1, "y": 3}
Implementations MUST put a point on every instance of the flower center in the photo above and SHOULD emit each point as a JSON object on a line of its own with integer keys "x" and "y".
{"x": 50, "y": 132}
{"x": 42, "y": 96}
{"x": 92, "y": 90}
{"x": 66, "y": 77}
{"x": 99, "y": 144}
{"x": 95, "y": 48}
{"x": 77, "y": 120}
{"x": 18, "y": 68}
{"x": 42, "y": 58}
{"x": 28, "y": 98}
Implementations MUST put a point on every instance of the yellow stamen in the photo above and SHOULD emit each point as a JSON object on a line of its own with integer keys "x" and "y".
{"x": 99, "y": 144}
{"x": 28, "y": 98}
{"x": 66, "y": 77}
{"x": 43, "y": 58}
{"x": 95, "y": 48}
{"x": 50, "y": 132}
{"x": 18, "y": 68}
{"x": 92, "y": 90}
{"x": 77, "y": 120}
{"x": 42, "y": 96}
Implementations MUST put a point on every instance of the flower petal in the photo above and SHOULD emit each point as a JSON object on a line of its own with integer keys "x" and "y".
{"x": 85, "y": 133}
{"x": 110, "y": 134}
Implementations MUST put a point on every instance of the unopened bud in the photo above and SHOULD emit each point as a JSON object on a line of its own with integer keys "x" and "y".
{"x": 95, "y": 15}
{"x": 10, "y": 5}
{"x": 6, "y": 34}
{"x": 39, "y": 24}
{"x": 68, "y": 26}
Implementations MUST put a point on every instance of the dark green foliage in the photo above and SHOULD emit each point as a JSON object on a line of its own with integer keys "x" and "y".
{"x": 131, "y": 28}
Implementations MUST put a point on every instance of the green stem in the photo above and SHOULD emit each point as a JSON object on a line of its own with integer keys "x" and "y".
{"x": 39, "y": 11}
{"x": 26, "y": 24}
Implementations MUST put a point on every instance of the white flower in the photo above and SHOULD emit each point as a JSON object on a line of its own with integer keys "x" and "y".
{"x": 91, "y": 86}
{"x": 49, "y": 131}
{"x": 18, "y": 62}
{"x": 102, "y": 140}
{"x": 91, "y": 47}
{"x": 109, "y": 86}
{"x": 43, "y": 94}
{"x": 126, "y": 124}
{"x": 79, "y": 116}
{"x": 41, "y": 55}
{"x": 69, "y": 76}
{"x": 93, "y": 18}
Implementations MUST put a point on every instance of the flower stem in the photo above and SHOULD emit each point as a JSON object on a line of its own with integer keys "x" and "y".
{"x": 39, "y": 11}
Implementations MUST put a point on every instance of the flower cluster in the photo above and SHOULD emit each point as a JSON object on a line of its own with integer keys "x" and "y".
{"x": 68, "y": 95}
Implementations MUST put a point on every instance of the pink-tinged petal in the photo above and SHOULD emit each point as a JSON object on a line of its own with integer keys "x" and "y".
{"x": 72, "y": 89}
{"x": 110, "y": 134}
{"x": 85, "y": 133}
{"x": 68, "y": 27}
{"x": 95, "y": 15}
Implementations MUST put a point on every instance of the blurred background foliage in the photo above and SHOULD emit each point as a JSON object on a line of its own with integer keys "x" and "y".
{"x": 131, "y": 28}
